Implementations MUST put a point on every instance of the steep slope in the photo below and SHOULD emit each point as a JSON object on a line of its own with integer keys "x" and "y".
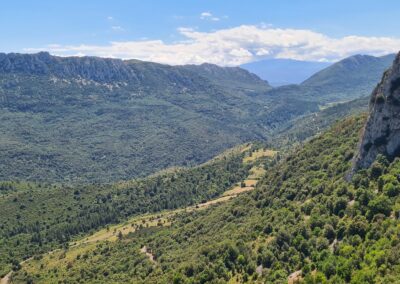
{"x": 310, "y": 125}
{"x": 348, "y": 79}
{"x": 284, "y": 71}
{"x": 353, "y": 71}
{"x": 94, "y": 119}
{"x": 232, "y": 78}
{"x": 88, "y": 68}
{"x": 304, "y": 220}
{"x": 36, "y": 218}
{"x": 382, "y": 130}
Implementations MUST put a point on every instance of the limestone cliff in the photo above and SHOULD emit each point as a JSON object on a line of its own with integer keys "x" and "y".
{"x": 382, "y": 130}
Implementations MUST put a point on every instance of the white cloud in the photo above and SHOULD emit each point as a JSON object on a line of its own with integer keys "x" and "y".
{"x": 209, "y": 16}
{"x": 205, "y": 15}
{"x": 235, "y": 46}
{"x": 117, "y": 28}
{"x": 110, "y": 18}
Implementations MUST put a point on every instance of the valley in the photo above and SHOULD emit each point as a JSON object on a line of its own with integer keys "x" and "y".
{"x": 223, "y": 217}
{"x": 301, "y": 214}
{"x": 227, "y": 223}
{"x": 81, "y": 120}
{"x": 199, "y": 142}
{"x": 279, "y": 210}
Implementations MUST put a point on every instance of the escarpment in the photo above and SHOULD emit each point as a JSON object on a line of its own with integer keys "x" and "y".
{"x": 381, "y": 134}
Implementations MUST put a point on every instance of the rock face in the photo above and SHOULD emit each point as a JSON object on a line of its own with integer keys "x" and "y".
{"x": 90, "y": 68}
{"x": 108, "y": 70}
{"x": 382, "y": 130}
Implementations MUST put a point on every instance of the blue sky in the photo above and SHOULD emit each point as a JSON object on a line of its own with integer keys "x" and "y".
{"x": 178, "y": 32}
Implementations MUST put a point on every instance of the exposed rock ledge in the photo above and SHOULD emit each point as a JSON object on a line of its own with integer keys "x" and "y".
{"x": 381, "y": 134}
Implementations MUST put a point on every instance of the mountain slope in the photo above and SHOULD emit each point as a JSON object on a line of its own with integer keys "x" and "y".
{"x": 304, "y": 219}
{"x": 284, "y": 71}
{"x": 353, "y": 71}
{"x": 37, "y": 218}
{"x": 307, "y": 126}
{"x": 100, "y": 120}
{"x": 233, "y": 78}
{"x": 348, "y": 79}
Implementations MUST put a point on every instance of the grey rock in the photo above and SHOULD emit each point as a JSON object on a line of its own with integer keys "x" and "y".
{"x": 90, "y": 68}
{"x": 381, "y": 134}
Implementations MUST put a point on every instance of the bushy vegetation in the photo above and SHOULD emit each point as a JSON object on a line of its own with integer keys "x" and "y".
{"x": 308, "y": 126}
{"x": 303, "y": 216}
{"x": 38, "y": 217}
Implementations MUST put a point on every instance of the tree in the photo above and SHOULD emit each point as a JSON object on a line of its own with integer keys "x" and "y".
{"x": 380, "y": 204}
{"x": 358, "y": 226}
{"x": 391, "y": 190}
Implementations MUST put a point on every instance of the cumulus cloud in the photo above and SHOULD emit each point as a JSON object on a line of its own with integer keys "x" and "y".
{"x": 235, "y": 46}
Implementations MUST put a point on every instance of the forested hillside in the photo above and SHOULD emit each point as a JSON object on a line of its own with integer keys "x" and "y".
{"x": 307, "y": 126}
{"x": 94, "y": 119}
{"x": 304, "y": 219}
{"x": 88, "y": 119}
{"x": 36, "y": 218}
{"x": 316, "y": 216}
{"x": 199, "y": 142}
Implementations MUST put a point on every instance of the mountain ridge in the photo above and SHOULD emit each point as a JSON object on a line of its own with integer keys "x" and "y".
{"x": 348, "y": 79}
{"x": 79, "y": 124}
{"x": 102, "y": 69}
{"x": 69, "y": 122}
{"x": 350, "y": 65}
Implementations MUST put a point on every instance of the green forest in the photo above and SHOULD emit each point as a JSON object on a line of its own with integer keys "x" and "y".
{"x": 303, "y": 216}
{"x": 82, "y": 120}
{"x": 39, "y": 217}
{"x": 127, "y": 171}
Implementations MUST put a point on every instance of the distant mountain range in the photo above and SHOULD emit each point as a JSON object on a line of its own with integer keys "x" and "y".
{"x": 348, "y": 79}
{"x": 89, "y": 119}
{"x": 96, "y": 119}
{"x": 284, "y": 71}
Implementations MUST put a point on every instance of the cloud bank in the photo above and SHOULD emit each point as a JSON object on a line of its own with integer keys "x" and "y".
{"x": 235, "y": 46}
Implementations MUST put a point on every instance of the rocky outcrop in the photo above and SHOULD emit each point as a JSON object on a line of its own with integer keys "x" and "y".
{"x": 382, "y": 131}
{"x": 89, "y": 68}
{"x": 109, "y": 70}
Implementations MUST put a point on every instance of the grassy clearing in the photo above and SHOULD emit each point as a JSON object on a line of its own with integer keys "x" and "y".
{"x": 260, "y": 153}
{"x": 256, "y": 172}
{"x": 248, "y": 184}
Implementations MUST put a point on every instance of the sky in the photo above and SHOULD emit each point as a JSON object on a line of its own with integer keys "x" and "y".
{"x": 223, "y": 32}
